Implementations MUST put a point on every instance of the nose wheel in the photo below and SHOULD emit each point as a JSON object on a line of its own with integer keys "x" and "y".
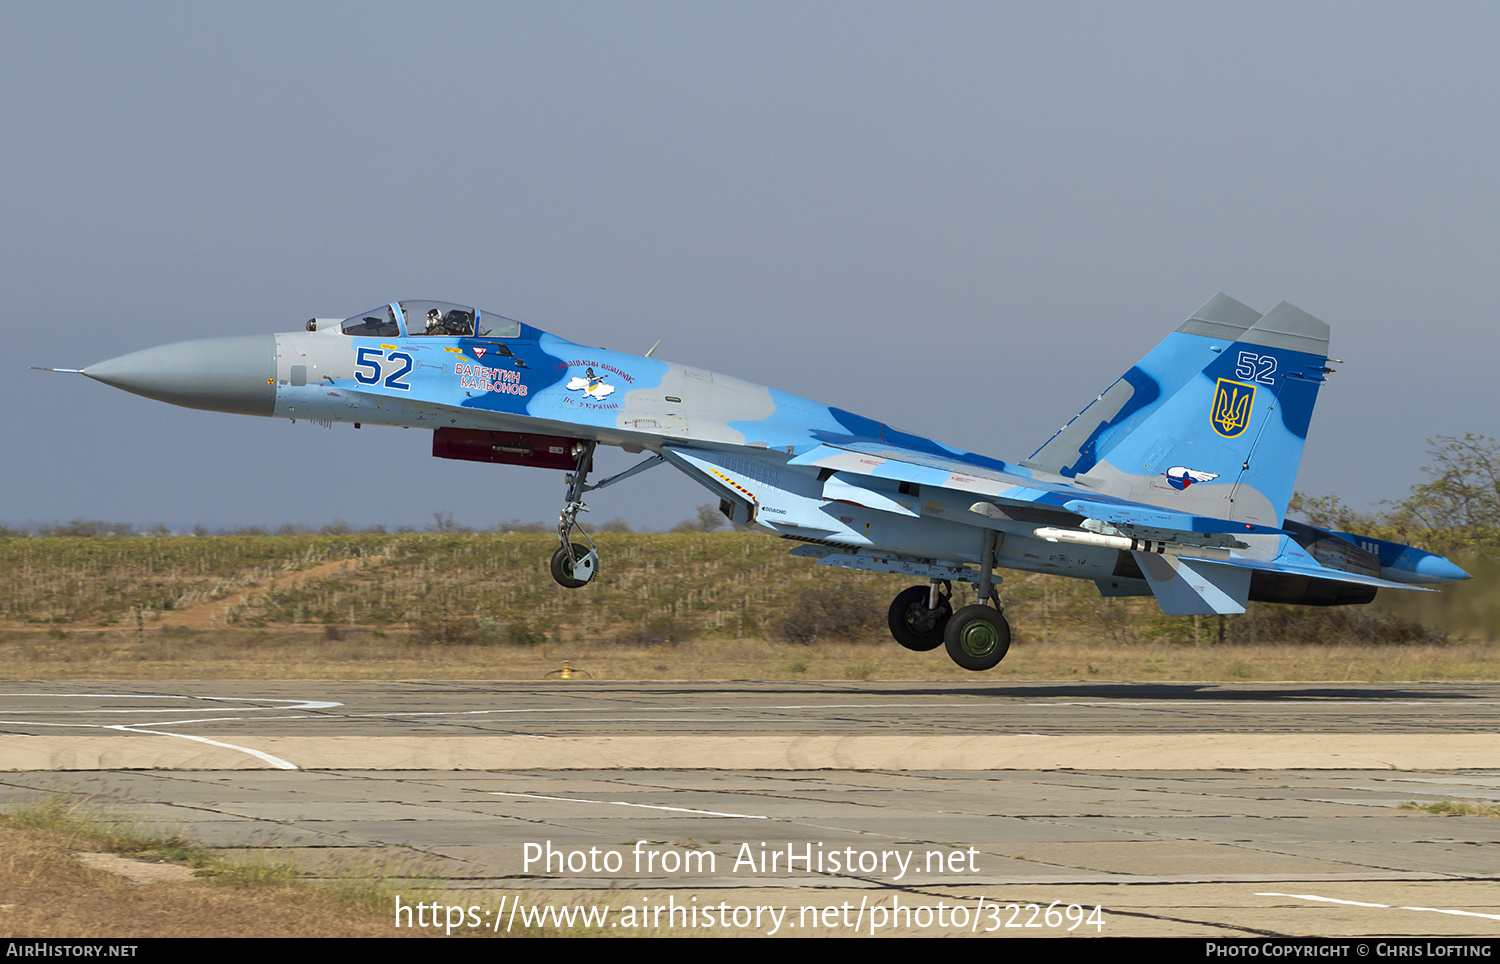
{"x": 575, "y": 565}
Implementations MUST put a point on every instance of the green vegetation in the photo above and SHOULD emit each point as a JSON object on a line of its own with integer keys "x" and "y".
{"x": 89, "y": 823}
{"x": 479, "y": 588}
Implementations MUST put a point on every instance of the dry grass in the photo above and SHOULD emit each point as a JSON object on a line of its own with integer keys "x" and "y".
{"x": 673, "y": 606}
{"x": 50, "y": 892}
{"x": 56, "y": 884}
{"x": 1453, "y": 808}
{"x": 305, "y": 653}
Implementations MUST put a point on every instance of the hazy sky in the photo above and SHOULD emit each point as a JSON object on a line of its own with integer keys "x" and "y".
{"x": 963, "y": 219}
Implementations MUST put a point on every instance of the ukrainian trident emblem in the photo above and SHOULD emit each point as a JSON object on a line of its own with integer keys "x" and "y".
{"x": 1232, "y": 404}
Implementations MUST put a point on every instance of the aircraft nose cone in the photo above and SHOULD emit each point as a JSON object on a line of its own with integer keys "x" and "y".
{"x": 235, "y": 375}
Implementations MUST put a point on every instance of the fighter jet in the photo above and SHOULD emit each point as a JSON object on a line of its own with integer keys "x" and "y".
{"x": 1173, "y": 482}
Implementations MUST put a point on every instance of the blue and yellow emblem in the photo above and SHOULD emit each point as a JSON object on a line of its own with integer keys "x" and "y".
{"x": 1233, "y": 402}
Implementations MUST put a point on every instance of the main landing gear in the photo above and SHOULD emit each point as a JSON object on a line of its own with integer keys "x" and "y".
{"x": 922, "y": 619}
{"x": 920, "y": 614}
{"x": 976, "y": 637}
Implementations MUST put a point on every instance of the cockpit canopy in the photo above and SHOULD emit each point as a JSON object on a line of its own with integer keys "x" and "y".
{"x": 420, "y": 318}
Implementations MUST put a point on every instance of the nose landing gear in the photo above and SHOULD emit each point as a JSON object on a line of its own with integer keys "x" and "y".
{"x": 574, "y": 565}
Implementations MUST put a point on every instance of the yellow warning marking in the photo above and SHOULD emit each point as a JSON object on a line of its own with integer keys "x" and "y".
{"x": 734, "y": 485}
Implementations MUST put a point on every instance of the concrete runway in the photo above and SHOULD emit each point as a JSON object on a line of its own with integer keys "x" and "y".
{"x": 1178, "y": 809}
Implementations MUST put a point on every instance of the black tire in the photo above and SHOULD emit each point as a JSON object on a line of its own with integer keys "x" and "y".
{"x": 562, "y": 567}
{"x": 977, "y": 638}
{"x": 915, "y": 626}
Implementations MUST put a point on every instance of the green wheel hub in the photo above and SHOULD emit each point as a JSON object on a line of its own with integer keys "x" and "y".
{"x": 979, "y": 639}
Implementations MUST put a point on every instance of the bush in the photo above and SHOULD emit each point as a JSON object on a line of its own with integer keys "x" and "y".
{"x": 444, "y": 629}
{"x": 832, "y": 610}
{"x": 1341, "y": 624}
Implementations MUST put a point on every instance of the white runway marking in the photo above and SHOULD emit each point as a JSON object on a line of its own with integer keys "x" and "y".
{"x": 622, "y": 803}
{"x": 1360, "y": 903}
{"x": 274, "y": 761}
{"x": 219, "y": 705}
{"x": 221, "y": 719}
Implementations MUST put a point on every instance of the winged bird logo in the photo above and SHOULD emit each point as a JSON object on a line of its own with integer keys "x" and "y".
{"x": 1180, "y": 476}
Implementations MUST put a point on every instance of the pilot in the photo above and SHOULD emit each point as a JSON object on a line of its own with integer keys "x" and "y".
{"x": 435, "y": 322}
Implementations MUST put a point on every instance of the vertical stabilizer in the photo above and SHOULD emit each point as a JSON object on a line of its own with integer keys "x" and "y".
{"x": 1212, "y": 421}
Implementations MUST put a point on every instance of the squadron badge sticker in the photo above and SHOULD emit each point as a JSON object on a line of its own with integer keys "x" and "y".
{"x": 1180, "y": 476}
{"x": 591, "y": 385}
{"x": 1233, "y": 402}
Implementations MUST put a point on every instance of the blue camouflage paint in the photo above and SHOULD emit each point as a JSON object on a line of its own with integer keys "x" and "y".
{"x": 1295, "y": 392}
{"x": 863, "y": 430}
{"x": 1196, "y": 445}
{"x": 1145, "y": 391}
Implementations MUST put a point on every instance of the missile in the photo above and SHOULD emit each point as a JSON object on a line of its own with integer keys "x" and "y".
{"x": 1079, "y": 538}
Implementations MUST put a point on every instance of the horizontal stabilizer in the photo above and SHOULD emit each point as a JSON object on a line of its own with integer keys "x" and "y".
{"x": 1311, "y": 569}
{"x": 1194, "y": 587}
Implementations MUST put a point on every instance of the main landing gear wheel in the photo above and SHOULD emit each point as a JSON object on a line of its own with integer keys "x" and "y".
{"x": 913, "y": 624}
{"x": 576, "y": 570}
{"x": 977, "y": 637}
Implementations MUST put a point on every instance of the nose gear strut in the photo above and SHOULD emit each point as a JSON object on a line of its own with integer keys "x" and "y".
{"x": 574, "y": 565}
